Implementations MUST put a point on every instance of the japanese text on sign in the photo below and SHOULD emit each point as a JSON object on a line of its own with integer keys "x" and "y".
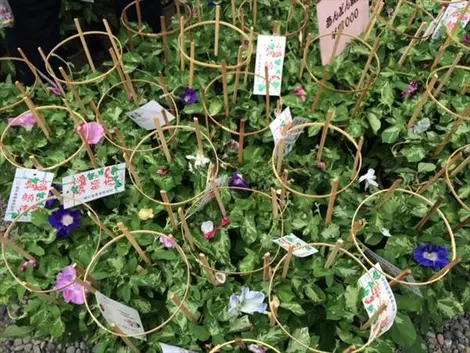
{"x": 94, "y": 184}
{"x": 30, "y": 186}
{"x": 269, "y": 53}
{"x": 330, "y": 14}
{"x": 144, "y": 116}
{"x": 450, "y": 18}
{"x": 302, "y": 249}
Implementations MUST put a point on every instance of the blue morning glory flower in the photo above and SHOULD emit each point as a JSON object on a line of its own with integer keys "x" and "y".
{"x": 435, "y": 256}
{"x": 249, "y": 302}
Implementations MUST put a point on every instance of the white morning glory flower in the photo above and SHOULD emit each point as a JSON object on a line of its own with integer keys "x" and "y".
{"x": 421, "y": 126}
{"x": 385, "y": 232}
{"x": 199, "y": 161}
{"x": 249, "y": 302}
{"x": 369, "y": 178}
{"x": 207, "y": 226}
{"x": 220, "y": 277}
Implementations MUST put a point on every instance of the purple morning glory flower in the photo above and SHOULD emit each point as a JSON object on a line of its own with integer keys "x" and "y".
{"x": 167, "y": 242}
{"x": 466, "y": 39}
{"x": 237, "y": 181}
{"x": 411, "y": 91}
{"x": 210, "y": 3}
{"x": 435, "y": 256}
{"x": 189, "y": 96}
{"x": 249, "y": 302}
{"x": 50, "y": 203}
{"x": 72, "y": 292}
{"x": 64, "y": 221}
{"x": 257, "y": 349}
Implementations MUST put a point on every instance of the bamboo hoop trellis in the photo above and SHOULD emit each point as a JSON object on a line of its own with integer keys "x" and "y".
{"x": 237, "y": 341}
{"x": 449, "y": 181}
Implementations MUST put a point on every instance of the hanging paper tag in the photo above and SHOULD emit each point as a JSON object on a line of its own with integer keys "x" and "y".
{"x": 292, "y": 136}
{"x": 302, "y": 248}
{"x": 144, "y": 115}
{"x": 375, "y": 294}
{"x": 94, "y": 184}
{"x": 166, "y": 348}
{"x": 330, "y": 14}
{"x": 450, "y": 18}
{"x": 123, "y": 316}
{"x": 269, "y": 52}
{"x": 281, "y": 124}
{"x": 29, "y": 187}
{"x": 221, "y": 181}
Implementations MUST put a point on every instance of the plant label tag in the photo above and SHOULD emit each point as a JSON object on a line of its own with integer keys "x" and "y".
{"x": 450, "y": 18}
{"x": 123, "y": 316}
{"x": 392, "y": 270}
{"x": 221, "y": 181}
{"x": 270, "y": 52}
{"x": 281, "y": 124}
{"x": 144, "y": 115}
{"x": 376, "y": 293}
{"x": 29, "y": 187}
{"x": 166, "y": 348}
{"x": 354, "y": 14}
{"x": 302, "y": 248}
{"x": 292, "y": 136}
{"x": 93, "y": 184}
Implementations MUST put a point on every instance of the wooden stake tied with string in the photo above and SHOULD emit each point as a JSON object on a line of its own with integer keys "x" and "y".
{"x": 134, "y": 243}
{"x": 84, "y": 45}
{"x": 185, "y": 230}
{"x": 126, "y": 340}
{"x": 169, "y": 209}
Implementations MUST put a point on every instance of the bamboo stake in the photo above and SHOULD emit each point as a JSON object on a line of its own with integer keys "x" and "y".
{"x": 356, "y": 157}
{"x": 334, "y": 253}
{"x": 395, "y": 13}
{"x": 451, "y": 133}
{"x": 412, "y": 44}
{"x": 422, "y": 102}
{"x": 274, "y": 307}
{"x": 268, "y": 96}
{"x": 280, "y": 154}
{"x": 99, "y": 118}
{"x": 184, "y": 309}
{"x": 247, "y": 67}
{"x": 234, "y": 12}
{"x": 110, "y": 37}
{"x": 200, "y": 145}
{"x": 461, "y": 166}
{"x": 164, "y": 39}
{"x": 266, "y": 268}
{"x": 377, "y": 10}
{"x": 139, "y": 16}
{"x": 191, "y": 64}
{"x": 241, "y": 141}
{"x": 274, "y": 202}
{"x": 89, "y": 151}
{"x": 374, "y": 317}
{"x": 305, "y": 54}
{"x": 240, "y": 343}
{"x": 101, "y": 225}
{"x": 215, "y": 190}
{"x": 82, "y": 271}
{"x": 369, "y": 62}
{"x": 72, "y": 89}
{"x": 439, "y": 56}
{"x": 185, "y": 229}
{"x": 225, "y": 88}
{"x": 134, "y": 243}
{"x": 431, "y": 211}
{"x": 237, "y": 75}
{"x": 126, "y": 340}
{"x": 439, "y": 174}
{"x": 217, "y": 30}
{"x": 84, "y": 45}
{"x": 283, "y": 188}
{"x": 182, "y": 61}
{"x": 362, "y": 96}
{"x": 169, "y": 209}
{"x": 207, "y": 268}
{"x": 447, "y": 75}
{"x": 12, "y": 245}
{"x": 255, "y": 11}
{"x": 465, "y": 89}
{"x": 33, "y": 69}
{"x": 38, "y": 117}
{"x": 358, "y": 225}
{"x": 331, "y": 202}
{"x": 275, "y": 28}
{"x": 57, "y": 83}
{"x": 449, "y": 267}
{"x": 36, "y": 163}
{"x": 389, "y": 193}
{"x": 131, "y": 88}
{"x": 461, "y": 225}
{"x": 287, "y": 261}
{"x": 178, "y": 10}
{"x": 85, "y": 285}
{"x": 161, "y": 136}
{"x": 326, "y": 127}
{"x": 75, "y": 119}
{"x": 129, "y": 33}
{"x": 350, "y": 349}
{"x": 166, "y": 93}
{"x": 42, "y": 295}
{"x": 57, "y": 195}
{"x": 401, "y": 276}
{"x": 319, "y": 91}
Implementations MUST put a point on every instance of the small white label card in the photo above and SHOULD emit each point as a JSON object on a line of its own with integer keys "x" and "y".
{"x": 302, "y": 248}
{"x": 450, "y": 18}
{"x": 270, "y": 52}
{"x": 29, "y": 187}
{"x": 292, "y": 136}
{"x": 144, "y": 115}
{"x": 123, "y": 316}
{"x": 166, "y": 348}
{"x": 221, "y": 181}
{"x": 281, "y": 124}
{"x": 94, "y": 184}
{"x": 376, "y": 293}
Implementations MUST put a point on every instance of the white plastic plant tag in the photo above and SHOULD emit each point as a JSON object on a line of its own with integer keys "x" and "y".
{"x": 94, "y": 184}
{"x": 166, "y": 348}
{"x": 29, "y": 187}
{"x": 292, "y": 136}
{"x": 376, "y": 293}
{"x": 451, "y": 17}
{"x": 144, "y": 115}
{"x": 281, "y": 124}
{"x": 221, "y": 181}
{"x": 302, "y": 248}
{"x": 270, "y": 52}
{"x": 123, "y": 316}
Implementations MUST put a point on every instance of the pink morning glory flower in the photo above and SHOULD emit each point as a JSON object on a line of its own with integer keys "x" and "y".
{"x": 167, "y": 242}
{"x": 72, "y": 292}
{"x": 94, "y": 132}
{"x": 300, "y": 92}
{"x": 27, "y": 121}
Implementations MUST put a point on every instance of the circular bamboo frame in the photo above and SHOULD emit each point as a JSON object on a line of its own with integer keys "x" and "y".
{"x": 127, "y": 26}
{"x": 351, "y": 91}
{"x": 435, "y": 100}
{"x": 175, "y": 108}
{"x": 270, "y": 296}
{"x": 217, "y": 348}
{"x": 3, "y": 147}
{"x": 92, "y": 80}
{"x": 245, "y": 36}
{"x": 310, "y": 196}
{"x": 115, "y": 240}
{"x": 449, "y": 182}
{"x": 32, "y": 88}
{"x": 216, "y": 122}
{"x": 395, "y": 29}
{"x": 289, "y": 34}
{"x": 148, "y": 137}
{"x": 234, "y": 273}
{"x": 24, "y": 284}
{"x": 430, "y": 203}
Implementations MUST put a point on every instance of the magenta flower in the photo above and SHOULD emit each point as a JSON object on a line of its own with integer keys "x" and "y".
{"x": 167, "y": 242}
{"x": 72, "y": 292}
{"x": 257, "y": 349}
{"x": 234, "y": 145}
{"x": 27, "y": 121}
{"x": 30, "y": 263}
{"x": 189, "y": 96}
{"x": 300, "y": 92}
{"x": 162, "y": 172}
{"x": 55, "y": 90}
{"x": 411, "y": 91}
{"x": 94, "y": 132}
{"x": 466, "y": 38}
{"x": 237, "y": 181}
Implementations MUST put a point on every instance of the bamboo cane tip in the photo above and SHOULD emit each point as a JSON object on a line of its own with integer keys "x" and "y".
{"x": 202, "y": 256}
{"x": 267, "y": 254}
{"x": 340, "y": 242}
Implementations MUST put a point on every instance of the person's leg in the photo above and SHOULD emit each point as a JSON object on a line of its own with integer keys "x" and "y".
{"x": 36, "y": 25}
{"x": 151, "y": 12}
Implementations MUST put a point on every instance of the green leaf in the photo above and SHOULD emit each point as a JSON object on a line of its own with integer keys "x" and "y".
{"x": 426, "y": 167}
{"x": 301, "y": 335}
{"x": 57, "y": 328}
{"x": 352, "y": 298}
{"x": 215, "y": 107}
{"x": 240, "y": 324}
{"x": 14, "y": 331}
{"x": 387, "y": 96}
{"x": 391, "y": 134}
{"x": 449, "y": 306}
{"x": 199, "y": 331}
{"x": 403, "y": 331}
{"x": 374, "y": 122}
{"x": 249, "y": 232}
{"x": 331, "y": 231}
{"x": 249, "y": 261}
{"x": 414, "y": 153}
{"x": 294, "y": 307}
